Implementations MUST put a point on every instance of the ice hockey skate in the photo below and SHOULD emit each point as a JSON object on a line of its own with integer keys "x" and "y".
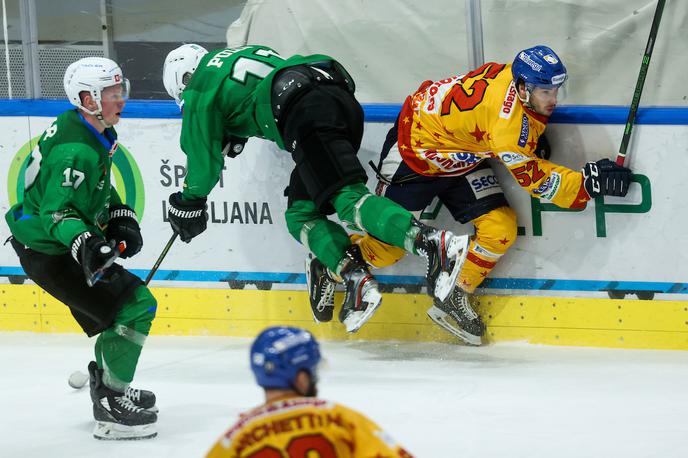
{"x": 445, "y": 254}
{"x": 362, "y": 292}
{"x": 141, "y": 398}
{"x": 458, "y": 317}
{"x": 116, "y": 415}
{"x": 320, "y": 290}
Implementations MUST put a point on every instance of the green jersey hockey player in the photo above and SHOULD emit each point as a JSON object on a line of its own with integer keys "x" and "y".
{"x": 65, "y": 231}
{"x": 305, "y": 104}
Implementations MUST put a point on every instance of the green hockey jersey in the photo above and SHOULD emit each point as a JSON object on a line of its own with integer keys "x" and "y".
{"x": 67, "y": 186}
{"x": 229, "y": 94}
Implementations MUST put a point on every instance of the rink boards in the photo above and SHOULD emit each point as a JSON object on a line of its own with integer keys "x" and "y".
{"x": 246, "y": 271}
{"x": 242, "y": 313}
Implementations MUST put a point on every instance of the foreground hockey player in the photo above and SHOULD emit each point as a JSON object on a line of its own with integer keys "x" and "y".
{"x": 306, "y": 106}
{"x": 65, "y": 232}
{"x": 437, "y": 148}
{"x": 293, "y": 422}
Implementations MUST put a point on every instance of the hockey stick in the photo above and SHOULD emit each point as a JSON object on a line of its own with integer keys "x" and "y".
{"x": 160, "y": 258}
{"x": 621, "y": 157}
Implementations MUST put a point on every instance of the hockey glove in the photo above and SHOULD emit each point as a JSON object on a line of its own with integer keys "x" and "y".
{"x": 605, "y": 178}
{"x": 188, "y": 218}
{"x": 94, "y": 255}
{"x": 543, "y": 150}
{"x": 233, "y": 146}
{"x": 123, "y": 227}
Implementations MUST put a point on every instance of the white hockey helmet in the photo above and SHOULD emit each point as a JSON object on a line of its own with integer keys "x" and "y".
{"x": 93, "y": 74}
{"x": 180, "y": 64}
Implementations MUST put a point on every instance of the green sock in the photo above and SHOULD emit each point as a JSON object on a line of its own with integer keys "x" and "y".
{"x": 378, "y": 216}
{"x": 118, "y": 347}
{"x": 326, "y": 239}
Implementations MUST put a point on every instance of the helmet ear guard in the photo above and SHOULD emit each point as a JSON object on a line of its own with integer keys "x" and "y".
{"x": 279, "y": 353}
{"x": 180, "y": 64}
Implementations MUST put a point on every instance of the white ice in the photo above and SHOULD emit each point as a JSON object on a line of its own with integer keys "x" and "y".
{"x": 439, "y": 400}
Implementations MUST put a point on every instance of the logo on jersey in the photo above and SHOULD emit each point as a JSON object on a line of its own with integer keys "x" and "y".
{"x": 525, "y": 130}
{"x": 510, "y": 158}
{"x": 483, "y": 183}
{"x": 456, "y": 163}
{"x": 549, "y": 188}
{"x": 508, "y": 103}
{"x": 530, "y": 62}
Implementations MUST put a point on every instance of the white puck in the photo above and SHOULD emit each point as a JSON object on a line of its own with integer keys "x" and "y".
{"x": 78, "y": 380}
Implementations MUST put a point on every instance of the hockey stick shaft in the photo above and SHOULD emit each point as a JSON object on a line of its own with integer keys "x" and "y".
{"x": 621, "y": 157}
{"x": 160, "y": 258}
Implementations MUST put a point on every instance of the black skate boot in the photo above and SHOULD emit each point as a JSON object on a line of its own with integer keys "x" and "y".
{"x": 320, "y": 289}
{"x": 445, "y": 254}
{"x": 465, "y": 323}
{"x": 362, "y": 292}
{"x": 141, "y": 398}
{"x": 117, "y": 417}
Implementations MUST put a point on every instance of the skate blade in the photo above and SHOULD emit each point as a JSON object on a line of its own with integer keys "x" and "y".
{"x": 355, "y": 320}
{"x": 105, "y": 430}
{"x": 446, "y": 282}
{"x": 440, "y": 318}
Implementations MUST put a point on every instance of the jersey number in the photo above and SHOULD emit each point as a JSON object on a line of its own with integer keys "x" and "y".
{"x": 462, "y": 99}
{"x": 310, "y": 446}
{"x": 73, "y": 178}
{"x": 524, "y": 177}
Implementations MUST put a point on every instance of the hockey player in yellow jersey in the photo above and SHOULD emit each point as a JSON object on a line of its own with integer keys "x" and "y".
{"x": 437, "y": 148}
{"x": 293, "y": 422}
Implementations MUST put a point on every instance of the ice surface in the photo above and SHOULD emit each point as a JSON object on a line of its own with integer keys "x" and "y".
{"x": 439, "y": 400}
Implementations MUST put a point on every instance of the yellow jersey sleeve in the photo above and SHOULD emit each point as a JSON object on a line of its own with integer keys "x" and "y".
{"x": 294, "y": 427}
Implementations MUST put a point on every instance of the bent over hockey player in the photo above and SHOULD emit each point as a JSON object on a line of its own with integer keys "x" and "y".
{"x": 293, "y": 421}
{"x": 65, "y": 232}
{"x": 306, "y": 106}
{"x": 438, "y": 148}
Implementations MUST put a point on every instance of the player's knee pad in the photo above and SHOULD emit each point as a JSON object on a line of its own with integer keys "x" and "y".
{"x": 496, "y": 230}
{"x": 298, "y": 215}
{"x": 134, "y": 320}
{"x": 377, "y": 253}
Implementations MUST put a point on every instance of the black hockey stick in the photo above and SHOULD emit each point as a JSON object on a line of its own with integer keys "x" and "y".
{"x": 160, "y": 258}
{"x": 621, "y": 157}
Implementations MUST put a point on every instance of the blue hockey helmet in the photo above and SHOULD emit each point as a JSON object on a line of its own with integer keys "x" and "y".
{"x": 280, "y": 352}
{"x": 539, "y": 66}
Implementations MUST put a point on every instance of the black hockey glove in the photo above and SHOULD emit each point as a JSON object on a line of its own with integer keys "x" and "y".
{"x": 188, "y": 218}
{"x": 543, "y": 150}
{"x": 233, "y": 146}
{"x": 123, "y": 227}
{"x": 605, "y": 178}
{"x": 94, "y": 255}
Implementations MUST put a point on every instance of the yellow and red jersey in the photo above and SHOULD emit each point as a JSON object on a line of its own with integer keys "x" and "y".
{"x": 294, "y": 427}
{"x": 448, "y": 127}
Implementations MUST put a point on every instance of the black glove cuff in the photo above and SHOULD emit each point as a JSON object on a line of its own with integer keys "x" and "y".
{"x": 186, "y": 208}
{"x": 78, "y": 241}
{"x": 122, "y": 211}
